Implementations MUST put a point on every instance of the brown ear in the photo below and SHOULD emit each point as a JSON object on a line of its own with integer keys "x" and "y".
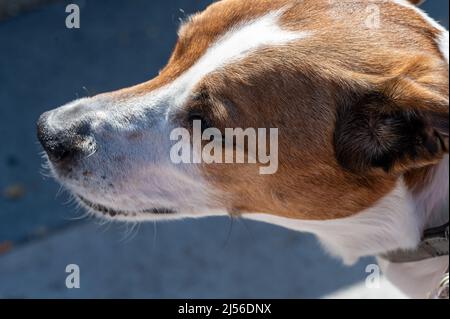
{"x": 397, "y": 127}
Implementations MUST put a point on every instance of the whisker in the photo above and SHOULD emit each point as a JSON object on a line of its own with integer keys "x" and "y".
{"x": 128, "y": 234}
{"x": 230, "y": 230}
{"x": 87, "y": 91}
{"x": 246, "y": 226}
{"x": 155, "y": 232}
{"x": 135, "y": 230}
{"x": 92, "y": 153}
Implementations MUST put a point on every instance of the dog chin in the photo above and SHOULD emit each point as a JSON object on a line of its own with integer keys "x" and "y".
{"x": 126, "y": 215}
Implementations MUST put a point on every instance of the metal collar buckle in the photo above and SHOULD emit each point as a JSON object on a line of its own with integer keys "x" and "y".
{"x": 442, "y": 291}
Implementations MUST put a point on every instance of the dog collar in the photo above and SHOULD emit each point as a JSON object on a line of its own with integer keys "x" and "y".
{"x": 434, "y": 243}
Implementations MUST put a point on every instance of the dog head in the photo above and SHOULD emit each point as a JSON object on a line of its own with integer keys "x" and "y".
{"x": 358, "y": 91}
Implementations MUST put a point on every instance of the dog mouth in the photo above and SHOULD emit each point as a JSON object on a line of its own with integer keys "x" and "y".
{"x": 120, "y": 213}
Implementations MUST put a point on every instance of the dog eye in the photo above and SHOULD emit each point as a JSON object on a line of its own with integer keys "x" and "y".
{"x": 198, "y": 116}
{"x": 195, "y": 116}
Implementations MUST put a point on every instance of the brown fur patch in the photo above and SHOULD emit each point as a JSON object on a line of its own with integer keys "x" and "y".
{"x": 299, "y": 88}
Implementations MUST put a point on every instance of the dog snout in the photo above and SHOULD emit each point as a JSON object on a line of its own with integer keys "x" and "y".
{"x": 65, "y": 143}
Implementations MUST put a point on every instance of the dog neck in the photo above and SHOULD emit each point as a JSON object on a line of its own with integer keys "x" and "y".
{"x": 432, "y": 201}
{"x": 420, "y": 278}
{"x": 396, "y": 222}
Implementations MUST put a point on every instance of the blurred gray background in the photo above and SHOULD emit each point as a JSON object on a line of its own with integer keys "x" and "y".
{"x": 121, "y": 43}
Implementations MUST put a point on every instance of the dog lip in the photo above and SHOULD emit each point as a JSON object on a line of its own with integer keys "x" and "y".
{"x": 113, "y": 212}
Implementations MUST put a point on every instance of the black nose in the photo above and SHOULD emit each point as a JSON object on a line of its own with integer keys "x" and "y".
{"x": 61, "y": 144}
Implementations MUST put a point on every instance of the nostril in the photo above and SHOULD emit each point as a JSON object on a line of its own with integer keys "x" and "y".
{"x": 49, "y": 140}
{"x": 60, "y": 151}
{"x": 60, "y": 145}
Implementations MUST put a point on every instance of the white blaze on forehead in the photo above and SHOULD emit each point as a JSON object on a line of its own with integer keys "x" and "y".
{"x": 234, "y": 45}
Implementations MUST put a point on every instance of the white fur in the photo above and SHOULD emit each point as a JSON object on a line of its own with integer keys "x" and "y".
{"x": 396, "y": 222}
{"x": 146, "y": 178}
{"x": 417, "y": 279}
{"x": 236, "y": 44}
{"x": 388, "y": 225}
{"x": 443, "y": 44}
